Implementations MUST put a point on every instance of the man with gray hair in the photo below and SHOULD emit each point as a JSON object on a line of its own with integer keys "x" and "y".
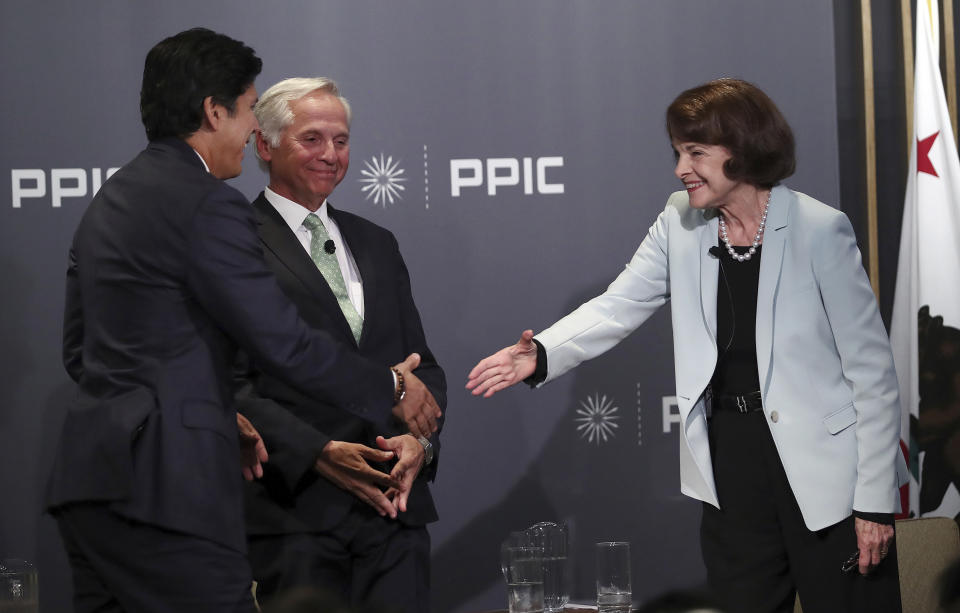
{"x": 341, "y": 505}
{"x": 145, "y": 485}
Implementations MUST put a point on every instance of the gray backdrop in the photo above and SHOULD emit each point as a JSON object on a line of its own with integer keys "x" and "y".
{"x": 583, "y": 84}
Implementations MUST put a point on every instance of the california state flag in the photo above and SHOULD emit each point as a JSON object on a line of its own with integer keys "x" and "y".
{"x": 925, "y": 332}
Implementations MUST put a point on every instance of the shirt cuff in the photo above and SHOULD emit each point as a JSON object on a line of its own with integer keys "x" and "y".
{"x": 877, "y": 518}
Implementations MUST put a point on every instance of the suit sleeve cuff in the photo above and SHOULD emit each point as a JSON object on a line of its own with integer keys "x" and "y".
{"x": 540, "y": 373}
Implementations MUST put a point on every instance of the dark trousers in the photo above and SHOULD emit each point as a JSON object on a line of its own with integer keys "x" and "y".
{"x": 120, "y": 565}
{"x": 367, "y": 560}
{"x": 757, "y": 550}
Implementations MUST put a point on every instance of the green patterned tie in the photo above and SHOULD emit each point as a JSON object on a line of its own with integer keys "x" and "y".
{"x": 327, "y": 263}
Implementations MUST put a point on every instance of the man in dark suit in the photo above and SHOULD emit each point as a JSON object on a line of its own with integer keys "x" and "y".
{"x": 166, "y": 277}
{"x": 329, "y": 511}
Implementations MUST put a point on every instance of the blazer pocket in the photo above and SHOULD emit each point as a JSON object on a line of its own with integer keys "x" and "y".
{"x": 206, "y": 415}
{"x": 95, "y": 459}
{"x": 841, "y": 419}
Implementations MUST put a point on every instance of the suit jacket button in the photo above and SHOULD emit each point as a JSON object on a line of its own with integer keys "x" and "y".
{"x": 774, "y": 416}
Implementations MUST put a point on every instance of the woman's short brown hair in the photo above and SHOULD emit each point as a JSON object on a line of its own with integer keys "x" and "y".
{"x": 739, "y": 116}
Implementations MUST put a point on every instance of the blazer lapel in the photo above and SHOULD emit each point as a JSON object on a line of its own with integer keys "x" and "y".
{"x": 771, "y": 263}
{"x": 709, "y": 266}
{"x": 278, "y": 238}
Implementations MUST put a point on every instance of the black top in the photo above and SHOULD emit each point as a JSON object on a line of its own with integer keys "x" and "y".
{"x": 736, "y": 370}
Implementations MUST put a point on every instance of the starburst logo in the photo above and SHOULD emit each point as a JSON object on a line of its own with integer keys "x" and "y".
{"x": 384, "y": 180}
{"x": 599, "y": 419}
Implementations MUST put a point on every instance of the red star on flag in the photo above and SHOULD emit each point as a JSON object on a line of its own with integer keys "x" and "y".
{"x": 923, "y": 154}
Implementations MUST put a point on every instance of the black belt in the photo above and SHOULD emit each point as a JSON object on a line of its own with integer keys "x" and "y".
{"x": 742, "y": 403}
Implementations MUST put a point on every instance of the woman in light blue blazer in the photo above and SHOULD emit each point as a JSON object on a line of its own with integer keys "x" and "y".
{"x": 785, "y": 382}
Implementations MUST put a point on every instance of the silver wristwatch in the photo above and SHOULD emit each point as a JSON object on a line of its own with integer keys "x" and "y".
{"x": 427, "y": 450}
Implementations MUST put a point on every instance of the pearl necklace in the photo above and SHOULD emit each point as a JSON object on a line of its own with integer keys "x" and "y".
{"x": 756, "y": 239}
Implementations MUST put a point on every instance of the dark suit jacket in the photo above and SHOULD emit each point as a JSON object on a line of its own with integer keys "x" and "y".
{"x": 292, "y": 497}
{"x": 166, "y": 275}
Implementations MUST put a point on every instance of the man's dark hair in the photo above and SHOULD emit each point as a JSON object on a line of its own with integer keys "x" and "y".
{"x": 181, "y": 71}
{"x": 739, "y": 116}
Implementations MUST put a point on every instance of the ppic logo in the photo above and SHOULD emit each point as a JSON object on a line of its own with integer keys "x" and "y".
{"x": 599, "y": 419}
{"x": 498, "y": 173}
{"x": 32, "y": 183}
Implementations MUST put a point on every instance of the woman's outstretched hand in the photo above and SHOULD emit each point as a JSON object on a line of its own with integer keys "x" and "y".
{"x": 506, "y": 367}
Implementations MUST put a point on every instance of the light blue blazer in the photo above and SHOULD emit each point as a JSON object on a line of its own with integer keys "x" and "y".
{"x": 826, "y": 371}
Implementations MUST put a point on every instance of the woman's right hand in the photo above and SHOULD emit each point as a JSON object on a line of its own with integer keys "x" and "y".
{"x": 504, "y": 368}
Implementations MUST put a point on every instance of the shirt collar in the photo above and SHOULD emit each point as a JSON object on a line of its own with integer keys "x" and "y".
{"x": 294, "y": 214}
{"x": 202, "y": 161}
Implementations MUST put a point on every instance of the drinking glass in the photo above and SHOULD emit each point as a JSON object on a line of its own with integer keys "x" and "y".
{"x": 523, "y": 570}
{"x": 613, "y": 577}
{"x": 18, "y": 586}
{"x": 519, "y": 538}
{"x": 553, "y": 539}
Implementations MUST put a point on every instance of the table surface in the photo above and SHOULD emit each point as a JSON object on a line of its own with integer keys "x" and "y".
{"x": 566, "y": 609}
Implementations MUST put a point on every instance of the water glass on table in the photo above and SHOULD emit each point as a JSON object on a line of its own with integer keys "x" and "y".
{"x": 523, "y": 570}
{"x": 552, "y": 538}
{"x": 519, "y": 538}
{"x": 18, "y": 587}
{"x": 613, "y": 577}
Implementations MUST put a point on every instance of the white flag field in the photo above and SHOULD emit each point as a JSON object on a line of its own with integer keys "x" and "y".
{"x": 925, "y": 331}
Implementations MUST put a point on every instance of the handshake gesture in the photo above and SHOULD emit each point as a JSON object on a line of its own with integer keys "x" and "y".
{"x": 506, "y": 367}
{"x": 346, "y": 464}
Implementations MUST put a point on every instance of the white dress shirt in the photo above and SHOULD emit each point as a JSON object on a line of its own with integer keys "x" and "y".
{"x": 294, "y": 214}
{"x": 203, "y": 161}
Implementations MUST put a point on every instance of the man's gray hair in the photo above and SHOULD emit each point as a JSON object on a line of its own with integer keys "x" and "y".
{"x": 273, "y": 109}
